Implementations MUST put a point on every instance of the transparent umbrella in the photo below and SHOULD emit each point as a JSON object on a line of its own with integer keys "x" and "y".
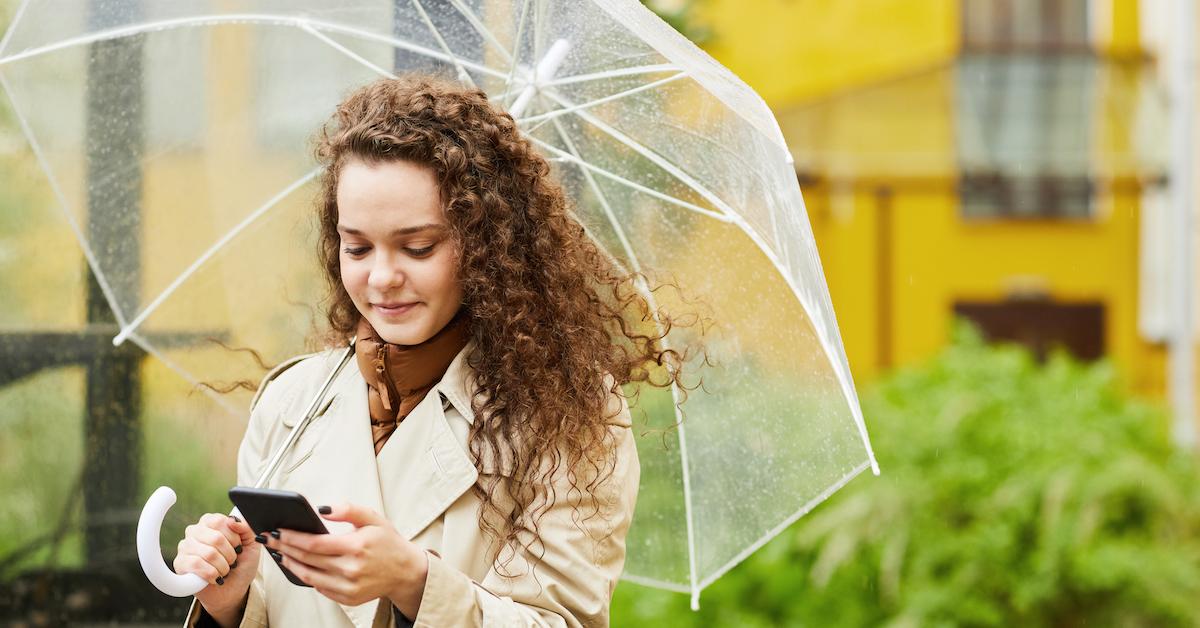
{"x": 174, "y": 135}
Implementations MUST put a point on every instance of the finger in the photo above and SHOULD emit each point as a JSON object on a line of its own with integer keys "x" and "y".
{"x": 219, "y": 541}
{"x": 195, "y": 565}
{"x": 352, "y": 513}
{"x": 310, "y": 574}
{"x": 243, "y": 531}
{"x": 199, "y": 538}
{"x": 202, "y": 560}
{"x": 326, "y": 544}
{"x": 324, "y": 582}
{"x": 208, "y": 554}
{"x": 221, "y": 523}
{"x": 323, "y": 562}
{"x": 211, "y": 520}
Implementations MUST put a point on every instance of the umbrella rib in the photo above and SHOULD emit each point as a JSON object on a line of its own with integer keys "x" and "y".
{"x": 565, "y": 156}
{"x": 656, "y": 68}
{"x": 640, "y": 283}
{"x": 174, "y": 366}
{"x": 239, "y": 18}
{"x": 12, "y": 26}
{"x": 538, "y": 15}
{"x": 754, "y": 172}
{"x": 773, "y": 532}
{"x": 512, "y": 67}
{"x": 346, "y": 51}
{"x": 830, "y": 354}
{"x": 608, "y": 211}
{"x": 88, "y": 254}
{"x": 644, "y": 151}
{"x": 400, "y": 43}
{"x": 481, "y": 28}
{"x": 462, "y": 72}
{"x": 655, "y": 583}
{"x": 541, "y": 118}
{"x": 772, "y": 256}
{"x": 216, "y": 247}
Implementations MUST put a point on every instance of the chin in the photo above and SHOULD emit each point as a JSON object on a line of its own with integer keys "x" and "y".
{"x": 402, "y": 335}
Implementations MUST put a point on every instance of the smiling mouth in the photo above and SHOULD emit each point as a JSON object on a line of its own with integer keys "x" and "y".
{"x": 394, "y": 308}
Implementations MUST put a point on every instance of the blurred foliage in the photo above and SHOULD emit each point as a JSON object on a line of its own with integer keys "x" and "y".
{"x": 682, "y": 16}
{"x": 41, "y": 456}
{"x": 1013, "y": 494}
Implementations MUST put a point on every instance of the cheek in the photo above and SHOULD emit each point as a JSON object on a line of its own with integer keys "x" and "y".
{"x": 354, "y": 277}
{"x": 443, "y": 277}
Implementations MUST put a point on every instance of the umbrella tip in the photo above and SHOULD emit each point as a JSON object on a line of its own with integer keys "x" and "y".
{"x": 119, "y": 339}
{"x": 695, "y": 600}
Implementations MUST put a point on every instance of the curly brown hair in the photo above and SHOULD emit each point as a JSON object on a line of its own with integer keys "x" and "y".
{"x": 551, "y": 315}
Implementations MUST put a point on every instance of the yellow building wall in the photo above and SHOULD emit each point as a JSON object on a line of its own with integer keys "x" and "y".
{"x": 846, "y": 240}
{"x": 1115, "y": 28}
{"x": 791, "y": 50}
{"x": 867, "y": 138}
{"x": 935, "y": 259}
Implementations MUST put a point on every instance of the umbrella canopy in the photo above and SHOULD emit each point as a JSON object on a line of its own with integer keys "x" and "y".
{"x": 174, "y": 135}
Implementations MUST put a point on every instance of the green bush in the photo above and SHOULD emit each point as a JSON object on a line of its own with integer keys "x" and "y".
{"x": 1013, "y": 494}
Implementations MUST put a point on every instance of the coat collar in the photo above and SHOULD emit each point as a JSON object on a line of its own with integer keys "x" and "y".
{"x": 458, "y": 384}
{"x": 423, "y": 467}
{"x": 421, "y": 470}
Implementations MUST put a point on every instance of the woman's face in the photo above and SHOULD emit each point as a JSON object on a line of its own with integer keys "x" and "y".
{"x": 399, "y": 263}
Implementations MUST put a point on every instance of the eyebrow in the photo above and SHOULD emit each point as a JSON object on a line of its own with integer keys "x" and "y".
{"x": 432, "y": 226}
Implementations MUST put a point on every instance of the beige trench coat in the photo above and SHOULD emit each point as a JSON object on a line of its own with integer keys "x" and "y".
{"x": 421, "y": 482}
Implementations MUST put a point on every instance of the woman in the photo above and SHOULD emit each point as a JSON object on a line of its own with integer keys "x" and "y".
{"x": 479, "y": 461}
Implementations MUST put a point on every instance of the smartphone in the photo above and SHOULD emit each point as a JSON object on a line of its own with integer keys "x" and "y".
{"x": 268, "y": 509}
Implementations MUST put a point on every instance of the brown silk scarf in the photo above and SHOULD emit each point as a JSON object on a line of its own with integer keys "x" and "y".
{"x": 399, "y": 376}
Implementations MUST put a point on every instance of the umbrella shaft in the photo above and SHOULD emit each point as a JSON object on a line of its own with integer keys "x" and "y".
{"x": 277, "y": 458}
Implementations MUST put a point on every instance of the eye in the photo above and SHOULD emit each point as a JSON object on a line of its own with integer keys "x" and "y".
{"x": 422, "y": 252}
{"x": 356, "y": 251}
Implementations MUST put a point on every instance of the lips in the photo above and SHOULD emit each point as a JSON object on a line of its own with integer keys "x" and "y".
{"x": 394, "y": 308}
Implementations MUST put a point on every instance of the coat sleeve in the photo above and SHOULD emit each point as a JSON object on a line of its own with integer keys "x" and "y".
{"x": 569, "y": 579}
{"x": 252, "y": 455}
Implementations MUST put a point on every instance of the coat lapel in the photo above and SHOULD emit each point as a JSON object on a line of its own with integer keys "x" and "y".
{"x": 342, "y": 465}
{"x": 424, "y": 466}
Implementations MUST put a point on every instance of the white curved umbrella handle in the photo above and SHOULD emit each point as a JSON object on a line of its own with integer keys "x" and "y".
{"x": 150, "y": 554}
{"x": 155, "y": 510}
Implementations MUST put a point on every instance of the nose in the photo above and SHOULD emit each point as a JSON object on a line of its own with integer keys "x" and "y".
{"x": 386, "y": 274}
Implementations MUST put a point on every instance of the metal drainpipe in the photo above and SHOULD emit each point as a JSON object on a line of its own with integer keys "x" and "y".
{"x": 1181, "y": 363}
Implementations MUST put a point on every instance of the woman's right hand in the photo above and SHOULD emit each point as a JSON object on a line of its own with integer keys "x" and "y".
{"x": 221, "y": 550}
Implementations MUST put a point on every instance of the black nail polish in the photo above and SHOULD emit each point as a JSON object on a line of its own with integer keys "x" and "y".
{"x": 237, "y": 550}
{"x": 275, "y": 533}
{"x": 325, "y": 510}
{"x": 237, "y": 520}
{"x": 276, "y": 555}
{"x": 232, "y": 565}
{"x": 220, "y": 580}
{"x": 260, "y": 538}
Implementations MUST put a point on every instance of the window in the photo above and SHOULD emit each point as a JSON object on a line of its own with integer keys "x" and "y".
{"x": 993, "y": 195}
{"x": 1042, "y": 326}
{"x": 1023, "y": 131}
{"x": 1024, "y": 25}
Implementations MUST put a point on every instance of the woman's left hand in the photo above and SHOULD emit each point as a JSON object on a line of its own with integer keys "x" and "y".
{"x": 371, "y": 562}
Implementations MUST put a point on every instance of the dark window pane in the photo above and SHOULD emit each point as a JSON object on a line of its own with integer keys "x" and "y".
{"x": 1042, "y": 326}
{"x": 1003, "y": 196}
